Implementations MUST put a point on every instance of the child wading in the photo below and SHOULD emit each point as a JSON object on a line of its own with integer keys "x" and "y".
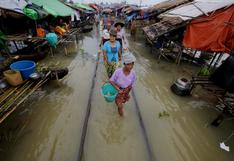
{"x": 123, "y": 80}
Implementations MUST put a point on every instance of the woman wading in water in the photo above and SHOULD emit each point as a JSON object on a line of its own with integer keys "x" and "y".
{"x": 112, "y": 53}
{"x": 123, "y": 80}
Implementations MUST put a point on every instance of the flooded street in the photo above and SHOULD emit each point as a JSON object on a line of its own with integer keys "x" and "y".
{"x": 48, "y": 126}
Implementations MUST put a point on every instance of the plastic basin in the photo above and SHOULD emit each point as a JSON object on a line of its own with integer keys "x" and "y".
{"x": 25, "y": 67}
{"x": 109, "y": 92}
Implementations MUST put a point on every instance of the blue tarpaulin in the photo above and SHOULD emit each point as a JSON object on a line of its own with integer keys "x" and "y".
{"x": 129, "y": 18}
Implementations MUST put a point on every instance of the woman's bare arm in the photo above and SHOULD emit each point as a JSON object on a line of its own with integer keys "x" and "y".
{"x": 104, "y": 56}
{"x": 115, "y": 85}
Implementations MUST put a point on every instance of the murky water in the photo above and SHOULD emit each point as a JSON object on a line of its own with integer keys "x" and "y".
{"x": 48, "y": 126}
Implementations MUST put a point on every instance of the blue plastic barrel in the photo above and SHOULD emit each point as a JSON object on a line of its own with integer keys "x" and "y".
{"x": 25, "y": 67}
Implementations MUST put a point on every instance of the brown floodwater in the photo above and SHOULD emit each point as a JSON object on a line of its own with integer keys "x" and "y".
{"x": 47, "y": 127}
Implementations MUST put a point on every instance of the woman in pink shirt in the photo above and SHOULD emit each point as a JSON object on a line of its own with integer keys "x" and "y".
{"x": 123, "y": 80}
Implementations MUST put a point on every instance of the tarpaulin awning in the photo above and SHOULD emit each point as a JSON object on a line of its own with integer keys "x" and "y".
{"x": 54, "y": 7}
{"x": 198, "y": 8}
{"x": 129, "y": 18}
{"x": 13, "y": 5}
{"x": 95, "y": 7}
{"x": 83, "y": 6}
{"x": 212, "y": 33}
{"x": 73, "y": 6}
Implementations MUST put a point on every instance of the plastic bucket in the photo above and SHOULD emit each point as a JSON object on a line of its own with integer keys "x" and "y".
{"x": 109, "y": 92}
{"x": 52, "y": 39}
{"x": 13, "y": 77}
{"x": 26, "y": 67}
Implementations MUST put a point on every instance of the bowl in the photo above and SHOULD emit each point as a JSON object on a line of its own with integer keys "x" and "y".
{"x": 3, "y": 84}
{"x": 35, "y": 76}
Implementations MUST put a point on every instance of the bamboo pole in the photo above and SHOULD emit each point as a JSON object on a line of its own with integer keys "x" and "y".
{"x": 41, "y": 82}
{"x": 22, "y": 100}
{"x": 13, "y": 100}
{"x": 7, "y": 95}
{"x": 11, "y": 92}
{"x": 65, "y": 51}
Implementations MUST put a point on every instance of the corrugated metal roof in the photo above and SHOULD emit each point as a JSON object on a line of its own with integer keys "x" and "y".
{"x": 197, "y": 8}
{"x": 13, "y": 5}
{"x": 165, "y": 5}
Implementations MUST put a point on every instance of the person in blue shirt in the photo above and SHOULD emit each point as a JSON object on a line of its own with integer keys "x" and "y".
{"x": 112, "y": 53}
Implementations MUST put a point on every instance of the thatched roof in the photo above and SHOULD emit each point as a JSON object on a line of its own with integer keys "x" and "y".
{"x": 166, "y": 25}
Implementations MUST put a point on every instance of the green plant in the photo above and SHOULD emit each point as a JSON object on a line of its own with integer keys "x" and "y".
{"x": 204, "y": 71}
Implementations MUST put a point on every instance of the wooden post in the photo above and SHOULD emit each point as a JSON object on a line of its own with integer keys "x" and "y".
{"x": 194, "y": 55}
{"x": 179, "y": 56}
{"x": 15, "y": 45}
{"x": 65, "y": 48}
{"x": 219, "y": 58}
{"x": 214, "y": 57}
{"x": 51, "y": 51}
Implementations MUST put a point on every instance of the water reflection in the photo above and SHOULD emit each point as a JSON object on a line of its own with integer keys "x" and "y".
{"x": 113, "y": 131}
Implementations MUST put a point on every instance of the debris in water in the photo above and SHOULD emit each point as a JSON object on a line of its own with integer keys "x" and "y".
{"x": 224, "y": 147}
{"x": 82, "y": 51}
{"x": 222, "y": 144}
{"x": 163, "y": 114}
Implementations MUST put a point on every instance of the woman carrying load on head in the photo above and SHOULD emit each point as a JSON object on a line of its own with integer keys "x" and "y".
{"x": 120, "y": 33}
{"x": 106, "y": 34}
{"x": 123, "y": 80}
{"x": 112, "y": 53}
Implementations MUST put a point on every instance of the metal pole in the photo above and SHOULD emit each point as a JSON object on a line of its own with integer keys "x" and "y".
{"x": 88, "y": 111}
{"x": 149, "y": 150}
{"x": 140, "y": 2}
